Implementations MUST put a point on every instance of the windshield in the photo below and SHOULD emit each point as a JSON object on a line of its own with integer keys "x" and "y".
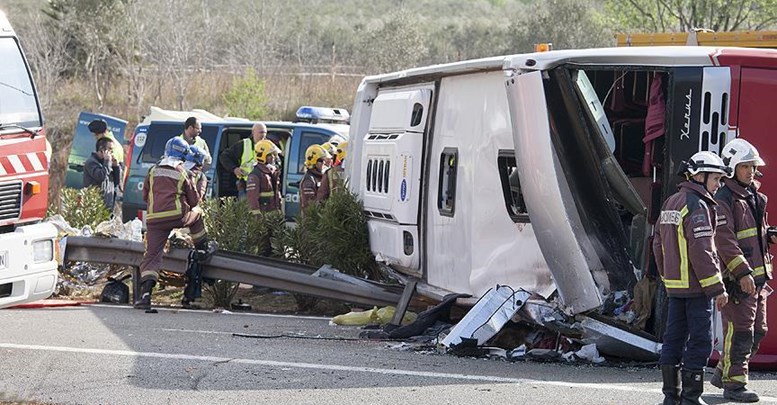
{"x": 17, "y": 97}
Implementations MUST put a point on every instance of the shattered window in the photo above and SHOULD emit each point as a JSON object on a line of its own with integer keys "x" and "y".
{"x": 511, "y": 187}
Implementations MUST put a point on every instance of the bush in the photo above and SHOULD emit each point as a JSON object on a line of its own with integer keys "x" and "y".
{"x": 246, "y": 98}
{"x": 230, "y": 223}
{"x": 333, "y": 232}
{"x": 81, "y": 207}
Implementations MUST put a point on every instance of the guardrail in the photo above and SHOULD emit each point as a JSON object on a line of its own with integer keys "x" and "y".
{"x": 236, "y": 267}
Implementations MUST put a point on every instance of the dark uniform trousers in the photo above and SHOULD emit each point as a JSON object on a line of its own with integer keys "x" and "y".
{"x": 688, "y": 318}
{"x": 744, "y": 326}
{"x": 157, "y": 233}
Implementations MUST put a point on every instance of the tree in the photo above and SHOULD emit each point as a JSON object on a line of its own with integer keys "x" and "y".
{"x": 397, "y": 44}
{"x": 246, "y": 98}
{"x": 567, "y": 24}
{"x": 685, "y": 15}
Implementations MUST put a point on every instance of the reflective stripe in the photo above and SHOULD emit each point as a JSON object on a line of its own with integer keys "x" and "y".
{"x": 170, "y": 173}
{"x": 248, "y": 159}
{"x": 726, "y": 359}
{"x": 256, "y": 211}
{"x": 759, "y": 271}
{"x": 747, "y": 233}
{"x": 738, "y": 378}
{"x": 711, "y": 280}
{"x": 682, "y": 243}
{"x": 267, "y": 194}
{"x": 736, "y": 261}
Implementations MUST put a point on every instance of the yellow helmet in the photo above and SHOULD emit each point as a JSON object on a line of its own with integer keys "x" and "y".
{"x": 342, "y": 150}
{"x": 329, "y": 147}
{"x": 313, "y": 154}
{"x": 265, "y": 148}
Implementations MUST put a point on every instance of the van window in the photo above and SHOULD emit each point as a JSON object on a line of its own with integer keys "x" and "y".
{"x": 307, "y": 139}
{"x": 511, "y": 187}
{"x": 159, "y": 134}
{"x": 446, "y": 192}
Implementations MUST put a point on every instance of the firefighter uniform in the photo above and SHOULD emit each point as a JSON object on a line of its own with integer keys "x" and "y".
{"x": 172, "y": 197}
{"x": 309, "y": 188}
{"x": 685, "y": 254}
{"x": 332, "y": 180}
{"x": 263, "y": 188}
{"x": 742, "y": 245}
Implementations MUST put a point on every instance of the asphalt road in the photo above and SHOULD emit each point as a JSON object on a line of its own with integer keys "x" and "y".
{"x": 116, "y": 355}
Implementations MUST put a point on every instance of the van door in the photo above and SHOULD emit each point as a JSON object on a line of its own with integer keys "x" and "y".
{"x": 391, "y": 164}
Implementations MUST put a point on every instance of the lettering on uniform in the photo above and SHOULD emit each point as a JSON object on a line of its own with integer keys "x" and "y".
{"x": 670, "y": 218}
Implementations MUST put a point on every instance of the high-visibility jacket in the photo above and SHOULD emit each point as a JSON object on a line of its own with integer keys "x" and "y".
{"x": 239, "y": 155}
{"x": 741, "y": 236}
{"x": 169, "y": 191}
{"x": 684, "y": 245}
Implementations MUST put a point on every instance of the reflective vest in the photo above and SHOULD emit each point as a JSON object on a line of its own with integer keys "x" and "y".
{"x": 248, "y": 158}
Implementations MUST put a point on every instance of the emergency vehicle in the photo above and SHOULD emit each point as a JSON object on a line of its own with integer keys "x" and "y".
{"x": 28, "y": 269}
{"x": 546, "y": 171}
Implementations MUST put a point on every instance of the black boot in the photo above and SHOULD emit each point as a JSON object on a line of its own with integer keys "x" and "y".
{"x": 741, "y": 394}
{"x": 717, "y": 378}
{"x": 671, "y": 388}
{"x": 693, "y": 387}
{"x": 144, "y": 302}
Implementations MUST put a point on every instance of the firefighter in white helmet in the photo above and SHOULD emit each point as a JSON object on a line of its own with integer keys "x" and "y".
{"x": 742, "y": 240}
{"x": 684, "y": 250}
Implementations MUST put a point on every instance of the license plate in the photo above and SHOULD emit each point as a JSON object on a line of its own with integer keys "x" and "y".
{"x": 3, "y": 260}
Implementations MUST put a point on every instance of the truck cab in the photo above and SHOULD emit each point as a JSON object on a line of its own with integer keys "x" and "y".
{"x": 28, "y": 269}
{"x": 293, "y": 138}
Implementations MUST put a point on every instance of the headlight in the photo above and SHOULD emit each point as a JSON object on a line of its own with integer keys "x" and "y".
{"x": 42, "y": 251}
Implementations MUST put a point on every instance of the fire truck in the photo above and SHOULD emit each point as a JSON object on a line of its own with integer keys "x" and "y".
{"x": 28, "y": 269}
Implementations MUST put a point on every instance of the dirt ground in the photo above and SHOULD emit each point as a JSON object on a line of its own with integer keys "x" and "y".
{"x": 261, "y": 300}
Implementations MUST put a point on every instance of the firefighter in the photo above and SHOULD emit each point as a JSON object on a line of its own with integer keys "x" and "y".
{"x": 239, "y": 158}
{"x": 172, "y": 203}
{"x": 330, "y": 148}
{"x": 191, "y": 134}
{"x": 742, "y": 240}
{"x": 263, "y": 187}
{"x": 315, "y": 157}
{"x": 684, "y": 249}
{"x": 334, "y": 177}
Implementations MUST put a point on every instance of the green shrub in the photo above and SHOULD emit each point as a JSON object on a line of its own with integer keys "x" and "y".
{"x": 81, "y": 207}
{"x": 333, "y": 232}
{"x": 230, "y": 223}
{"x": 246, "y": 98}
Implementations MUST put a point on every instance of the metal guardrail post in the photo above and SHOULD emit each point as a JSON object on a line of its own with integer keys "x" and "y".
{"x": 404, "y": 301}
{"x": 135, "y": 283}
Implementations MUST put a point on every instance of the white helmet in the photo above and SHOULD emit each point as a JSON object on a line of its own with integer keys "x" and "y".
{"x": 706, "y": 162}
{"x": 740, "y": 151}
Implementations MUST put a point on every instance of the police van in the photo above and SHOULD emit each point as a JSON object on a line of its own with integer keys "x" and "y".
{"x": 316, "y": 125}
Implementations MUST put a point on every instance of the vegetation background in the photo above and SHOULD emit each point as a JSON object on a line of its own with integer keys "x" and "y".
{"x": 262, "y": 59}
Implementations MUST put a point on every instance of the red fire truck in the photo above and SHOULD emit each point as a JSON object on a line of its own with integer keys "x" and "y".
{"x": 28, "y": 269}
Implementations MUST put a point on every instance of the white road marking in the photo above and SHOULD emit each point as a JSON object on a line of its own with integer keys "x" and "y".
{"x": 330, "y": 367}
